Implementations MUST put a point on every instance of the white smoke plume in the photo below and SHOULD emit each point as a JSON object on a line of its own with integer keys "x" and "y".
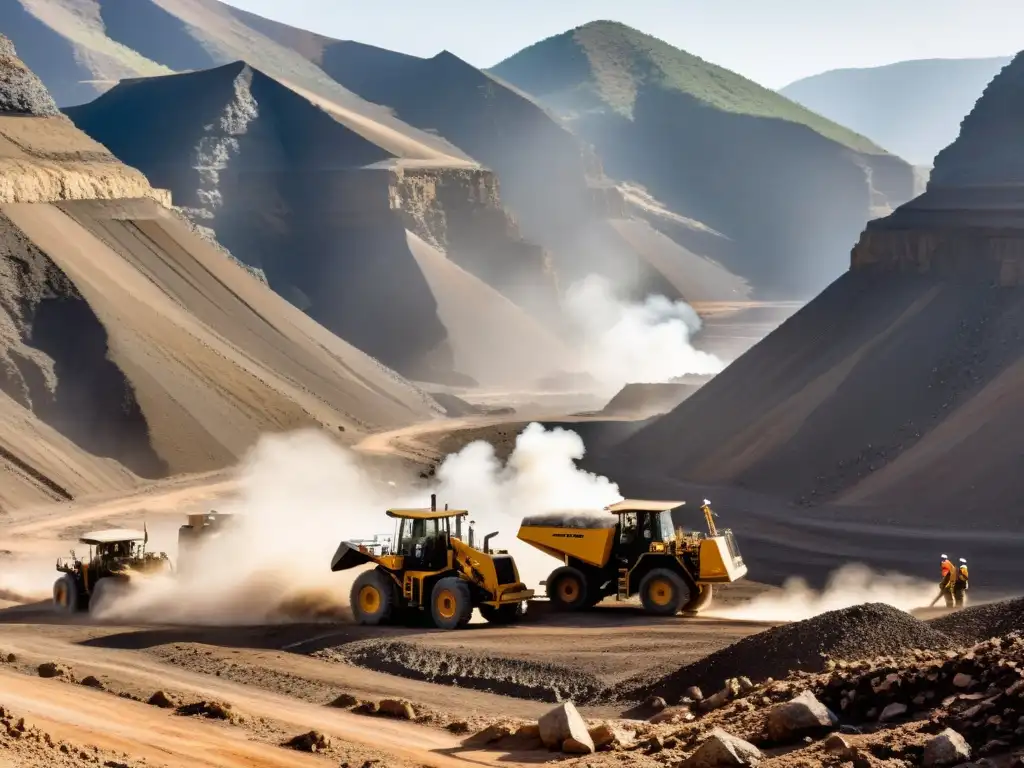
{"x": 628, "y": 342}
{"x": 850, "y": 585}
{"x": 302, "y": 494}
{"x": 26, "y": 579}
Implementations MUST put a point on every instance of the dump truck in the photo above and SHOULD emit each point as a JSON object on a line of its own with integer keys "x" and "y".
{"x": 198, "y": 528}
{"x": 633, "y": 548}
{"x": 429, "y": 567}
{"x": 115, "y": 555}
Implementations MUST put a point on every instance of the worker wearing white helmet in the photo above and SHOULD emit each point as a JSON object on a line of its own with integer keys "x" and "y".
{"x": 948, "y": 581}
{"x": 960, "y": 585}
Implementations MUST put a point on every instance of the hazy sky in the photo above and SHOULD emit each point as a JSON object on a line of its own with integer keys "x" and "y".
{"x": 771, "y": 41}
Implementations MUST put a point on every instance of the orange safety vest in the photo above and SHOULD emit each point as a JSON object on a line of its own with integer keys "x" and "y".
{"x": 962, "y": 575}
{"x": 947, "y": 572}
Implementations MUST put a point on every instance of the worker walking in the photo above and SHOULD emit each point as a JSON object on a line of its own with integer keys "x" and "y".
{"x": 948, "y": 581}
{"x": 960, "y": 585}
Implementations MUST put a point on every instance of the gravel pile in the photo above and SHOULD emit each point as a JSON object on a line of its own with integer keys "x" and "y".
{"x": 981, "y": 622}
{"x": 861, "y": 632}
{"x": 504, "y": 676}
{"x": 21, "y": 92}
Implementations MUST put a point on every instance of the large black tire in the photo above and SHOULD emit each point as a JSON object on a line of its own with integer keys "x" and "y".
{"x": 700, "y": 598}
{"x": 567, "y": 589}
{"x": 663, "y": 592}
{"x": 373, "y": 598}
{"x": 503, "y": 614}
{"x": 66, "y": 598}
{"x": 451, "y": 604}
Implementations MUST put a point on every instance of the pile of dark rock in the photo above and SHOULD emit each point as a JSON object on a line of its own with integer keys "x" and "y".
{"x": 859, "y": 632}
{"x": 980, "y": 622}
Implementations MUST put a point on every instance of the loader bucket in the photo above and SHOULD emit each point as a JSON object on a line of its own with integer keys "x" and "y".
{"x": 349, "y": 556}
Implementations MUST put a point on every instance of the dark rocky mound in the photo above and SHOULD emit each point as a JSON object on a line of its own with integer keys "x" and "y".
{"x": 21, "y": 92}
{"x": 504, "y": 676}
{"x": 861, "y": 632}
{"x": 981, "y": 622}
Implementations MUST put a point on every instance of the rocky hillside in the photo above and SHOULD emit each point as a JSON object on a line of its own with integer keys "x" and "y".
{"x": 791, "y": 188}
{"x": 129, "y": 346}
{"x": 323, "y": 210}
{"x": 912, "y": 108}
{"x": 899, "y": 387}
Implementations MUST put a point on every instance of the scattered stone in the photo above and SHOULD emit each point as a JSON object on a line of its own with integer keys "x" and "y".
{"x": 313, "y": 741}
{"x": 162, "y": 700}
{"x": 609, "y": 736}
{"x": 367, "y": 708}
{"x": 837, "y": 745}
{"x": 656, "y": 703}
{"x": 93, "y": 682}
{"x": 948, "y": 748}
{"x": 564, "y": 723}
{"x": 573, "y": 747}
{"x": 695, "y": 693}
{"x": 799, "y": 717}
{"x": 49, "y": 669}
{"x": 489, "y": 735}
{"x": 528, "y": 731}
{"x": 214, "y": 710}
{"x": 10, "y": 658}
{"x": 892, "y": 711}
{"x": 458, "y": 727}
{"x": 396, "y": 708}
{"x": 672, "y": 715}
{"x": 720, "y": 750}
{"x": 344, "y": 701}
{"x": 963, "y": 681}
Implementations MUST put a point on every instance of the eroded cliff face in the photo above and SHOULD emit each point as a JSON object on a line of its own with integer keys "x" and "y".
{"x": 54, "y": 360}
{"x": 320, "y": 210}
{"x": 969, "y": 223}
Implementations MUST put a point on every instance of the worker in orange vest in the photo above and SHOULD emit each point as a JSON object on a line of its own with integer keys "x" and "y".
{"x": 948, "y": 581}
{"x": 960, "y": 585}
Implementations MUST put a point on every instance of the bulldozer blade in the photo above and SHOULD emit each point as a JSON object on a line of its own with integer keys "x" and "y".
{"x": 348, "y": 556}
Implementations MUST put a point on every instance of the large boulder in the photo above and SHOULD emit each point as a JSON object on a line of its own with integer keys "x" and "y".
{"x": 564, "y": 727}
{"x": 611, "y": 736}
{"x": 720, "y": 750}
{"x": 948, "y": 748}
{"x": 799, "y": 717}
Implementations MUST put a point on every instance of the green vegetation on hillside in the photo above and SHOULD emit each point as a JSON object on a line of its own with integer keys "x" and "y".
{"x": 604, "y": 63}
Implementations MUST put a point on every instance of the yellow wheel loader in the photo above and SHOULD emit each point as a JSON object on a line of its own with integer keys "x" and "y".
{"x": 428, "y": 567}
{"x": 633, "y": 548}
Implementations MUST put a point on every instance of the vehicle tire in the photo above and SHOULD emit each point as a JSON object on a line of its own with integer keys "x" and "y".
{"x": 451, "y": 604}
{"x": 700, "y": 599}
{"x": 66, "y": 598}
{"x": 106, "y": 591}
{"x": 567, "y": 589}
{"x": 663, "y": 592}
{"x": 373, "y": 598}
{"x": 503, "y": 614}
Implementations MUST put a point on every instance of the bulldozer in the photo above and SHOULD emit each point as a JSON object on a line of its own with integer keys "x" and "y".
{"x": 200, "y": 527}
{"x": 114, "y": 557}
{"x": 428, "y": 567}
{"x": 633, "y": 548}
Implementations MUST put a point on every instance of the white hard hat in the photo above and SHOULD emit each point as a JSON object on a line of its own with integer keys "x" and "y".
{"x": 963, "y": 560}
{"x": 945, "y": 557}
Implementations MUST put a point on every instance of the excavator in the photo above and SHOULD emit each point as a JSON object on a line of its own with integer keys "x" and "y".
{"x": 428, "y": 566}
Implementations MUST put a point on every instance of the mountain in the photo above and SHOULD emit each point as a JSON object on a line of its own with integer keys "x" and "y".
{"x": 132, "y": 348}
{"x": 789, "y": 187}
{"x": 912, "y": 108}
{"x": 894, "y": 397}
{"x": 327, "y": 213}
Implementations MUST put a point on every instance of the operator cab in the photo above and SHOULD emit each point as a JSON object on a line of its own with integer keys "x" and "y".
{"x": 115, "y": 544}
{"x": 642, "y": 523}
{"x": 423, "y": 536}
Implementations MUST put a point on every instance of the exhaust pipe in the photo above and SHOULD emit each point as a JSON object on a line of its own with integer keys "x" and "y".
{"x": 487, "y": 539}
{"x": 433, "y": 502}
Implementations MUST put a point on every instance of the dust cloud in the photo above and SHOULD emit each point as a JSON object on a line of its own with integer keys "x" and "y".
{"x": 302, "y": 494}
{"x": 26, "y": 579}
{"x": 850, "y": 585}
{"x": 625, "y": 342}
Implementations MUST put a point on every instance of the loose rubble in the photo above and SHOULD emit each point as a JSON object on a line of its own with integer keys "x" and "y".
{"x": 863, "y": 631}
{"x": 982, "y": 622}
{"x": 313, "y": 741}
